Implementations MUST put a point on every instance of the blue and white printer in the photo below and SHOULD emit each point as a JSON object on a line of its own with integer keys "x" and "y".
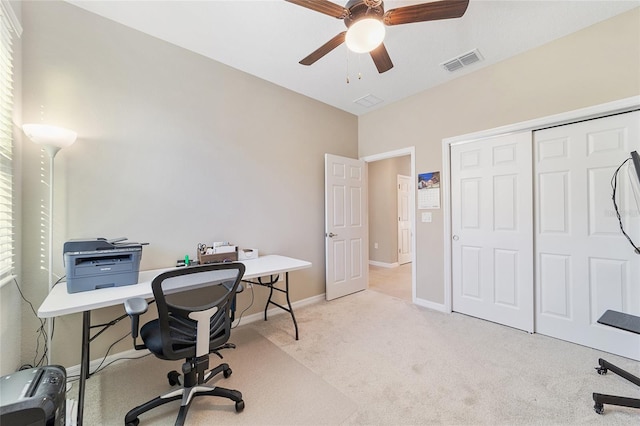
{"x": 100, "y": 263}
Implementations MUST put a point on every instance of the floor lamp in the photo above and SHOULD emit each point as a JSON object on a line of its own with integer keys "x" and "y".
{"x": 53, "y": 139}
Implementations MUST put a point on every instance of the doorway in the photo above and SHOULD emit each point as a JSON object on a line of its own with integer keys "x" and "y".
{"x": 387, "y": 274}
{"x": 395, "y": 282}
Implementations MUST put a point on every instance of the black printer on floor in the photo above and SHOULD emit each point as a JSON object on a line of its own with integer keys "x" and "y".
{"x": 36, "y": 396}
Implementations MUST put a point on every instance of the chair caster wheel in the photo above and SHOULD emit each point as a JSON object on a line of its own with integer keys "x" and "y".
{"x": 134, "y": 422}
{"x": 227, "y": 373}
{"x": 601, "y": 370}
{"x": 598, "y": 408}
{"x": 174, "y": 378}
{"x": 239, "y": 406}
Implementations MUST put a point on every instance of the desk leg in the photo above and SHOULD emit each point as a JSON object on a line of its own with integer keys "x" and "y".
{"x": 295, "y": 323}
{"x": 84, "y": 363}
{"x": 266, "y": 306}
{"x": 289, "y": 309}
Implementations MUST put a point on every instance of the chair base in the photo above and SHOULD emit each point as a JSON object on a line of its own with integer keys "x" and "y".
{"x": 186, "y": 394}
{"x": 601, "y": 399}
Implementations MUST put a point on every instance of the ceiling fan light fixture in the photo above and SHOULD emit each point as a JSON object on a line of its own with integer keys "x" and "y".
{"x": 365, "y": 35}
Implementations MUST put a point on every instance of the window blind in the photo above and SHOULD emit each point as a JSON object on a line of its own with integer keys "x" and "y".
{"x": 9, "y": 27}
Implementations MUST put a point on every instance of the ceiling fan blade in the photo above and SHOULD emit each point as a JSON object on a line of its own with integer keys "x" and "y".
{"x": 323, "y": 6}
{"x": 444, "y": 9}
{"x": 324, "y": 49}
{"x": 381, "y": 58}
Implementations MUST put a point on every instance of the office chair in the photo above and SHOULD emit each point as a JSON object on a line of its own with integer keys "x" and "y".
{"x": 194, "y": 320}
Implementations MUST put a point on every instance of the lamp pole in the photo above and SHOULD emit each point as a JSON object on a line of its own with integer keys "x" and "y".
{"x": 53, "y": 139}
{"x": 52, "y": 151}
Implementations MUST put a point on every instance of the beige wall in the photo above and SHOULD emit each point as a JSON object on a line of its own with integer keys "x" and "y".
{"x": 174, "y": 149}
{"x": 593, "y": 66}
{"x": 383, "y": 210}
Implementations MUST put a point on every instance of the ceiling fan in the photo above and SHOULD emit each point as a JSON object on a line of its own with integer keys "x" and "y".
{"x": 366, "y": 20}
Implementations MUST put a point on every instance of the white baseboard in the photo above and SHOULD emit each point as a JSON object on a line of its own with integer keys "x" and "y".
{"x": 259, "y": 316}
{"x": 384, "y": 265}
{"x": 132, "y": 353}
{"x": 432, "y": 305}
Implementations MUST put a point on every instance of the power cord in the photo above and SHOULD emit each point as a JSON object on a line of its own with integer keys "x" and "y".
{"x": 102, "y": 364}
{"x": 59, "y": 281}
{"x": 247, "y": 308}
{"x": 614, "y": 187}
{"x": 42, "y": 334}
{"x": 102, "y": 367}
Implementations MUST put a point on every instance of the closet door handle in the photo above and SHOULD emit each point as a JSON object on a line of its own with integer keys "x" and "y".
{"x": 331, "y": 235}
{"x": 456, "y": 238}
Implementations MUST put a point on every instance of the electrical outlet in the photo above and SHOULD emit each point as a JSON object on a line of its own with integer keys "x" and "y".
{"x": 375, "y": 245}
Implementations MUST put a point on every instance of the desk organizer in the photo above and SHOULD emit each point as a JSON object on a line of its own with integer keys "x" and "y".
{"x": 231, "y": 256}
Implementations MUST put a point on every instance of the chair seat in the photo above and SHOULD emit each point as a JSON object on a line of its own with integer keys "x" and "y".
{"x": 151, "y": 336}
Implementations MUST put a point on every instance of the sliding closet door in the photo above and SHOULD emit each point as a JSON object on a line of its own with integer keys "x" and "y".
{"x": 492, "y": 226}
{"x": 584, "y": 265}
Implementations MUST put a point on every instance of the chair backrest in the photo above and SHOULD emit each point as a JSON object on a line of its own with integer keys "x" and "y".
{"x": 182, "y": 292}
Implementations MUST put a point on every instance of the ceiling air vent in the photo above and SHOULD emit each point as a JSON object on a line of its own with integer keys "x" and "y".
{"x": 368, "y": 101}
{"x": 462, "y": 61}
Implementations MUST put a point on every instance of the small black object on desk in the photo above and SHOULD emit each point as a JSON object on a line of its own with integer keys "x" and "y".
{"x": 625, "y": 322}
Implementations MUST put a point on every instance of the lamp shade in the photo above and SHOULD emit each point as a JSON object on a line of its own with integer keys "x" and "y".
{"x": 54, "y": 136}
{"x": 365, "y": 35}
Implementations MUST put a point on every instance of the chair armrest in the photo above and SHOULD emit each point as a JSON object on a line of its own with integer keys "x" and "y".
{"x": 135, "y": 307}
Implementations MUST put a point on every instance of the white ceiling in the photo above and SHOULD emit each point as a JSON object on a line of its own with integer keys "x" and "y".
{"x": 267, "y": 38}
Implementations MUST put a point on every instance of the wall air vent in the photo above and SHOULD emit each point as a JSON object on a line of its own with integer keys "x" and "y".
{"x": 368, "y": 101}
{"x": 462, "y": 61}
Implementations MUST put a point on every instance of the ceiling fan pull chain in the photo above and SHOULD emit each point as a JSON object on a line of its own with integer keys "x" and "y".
{"x": 347, "y": 66}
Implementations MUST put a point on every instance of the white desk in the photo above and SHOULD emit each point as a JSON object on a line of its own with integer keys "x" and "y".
{"x": 60, "y": 302}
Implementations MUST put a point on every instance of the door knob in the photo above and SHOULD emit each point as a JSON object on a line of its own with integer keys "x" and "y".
{"x": 456, "y": 238}
{"x": 331, "y": 235}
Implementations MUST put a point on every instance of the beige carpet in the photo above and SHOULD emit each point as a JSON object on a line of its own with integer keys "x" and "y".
{"x": 406, "y": 365}
{"x": 277, "y": 390}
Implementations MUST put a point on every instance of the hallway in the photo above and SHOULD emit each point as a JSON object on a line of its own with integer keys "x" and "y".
{"x": 394, "y": 282}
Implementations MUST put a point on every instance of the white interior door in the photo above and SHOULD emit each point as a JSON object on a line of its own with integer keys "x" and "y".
{"x": 492, "y": 228}
{"x": 584, "y": 264}
{"x": 404, "y": 219}
{"x": 346, "y": 226}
